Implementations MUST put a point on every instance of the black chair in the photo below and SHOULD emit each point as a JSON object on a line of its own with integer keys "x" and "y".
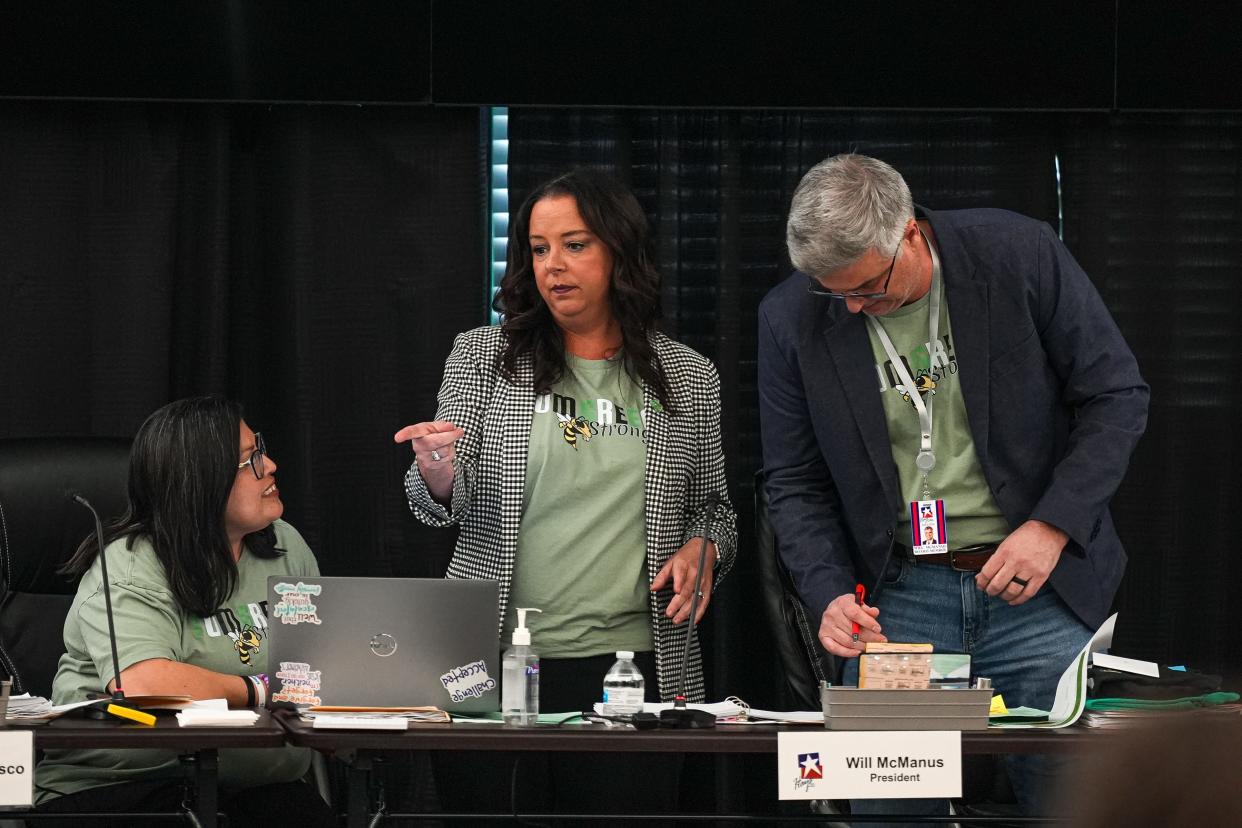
{"x": 40, "y": 527}
{"x": 804, "y": 661}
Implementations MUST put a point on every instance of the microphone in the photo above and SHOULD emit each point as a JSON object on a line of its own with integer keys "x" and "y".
{"x": 118, "y": 694}
{"x": 681, "y": 716}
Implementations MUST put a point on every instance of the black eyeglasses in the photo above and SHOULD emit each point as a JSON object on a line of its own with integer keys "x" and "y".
{"x": 816, "y": 289}
{"x": 255, "y": 460}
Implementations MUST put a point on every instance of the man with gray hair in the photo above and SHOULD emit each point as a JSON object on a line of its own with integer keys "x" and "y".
{"x": 954, "y": 370}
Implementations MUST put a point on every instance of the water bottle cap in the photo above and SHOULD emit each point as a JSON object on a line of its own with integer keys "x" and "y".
{"x": 627, "y": 654}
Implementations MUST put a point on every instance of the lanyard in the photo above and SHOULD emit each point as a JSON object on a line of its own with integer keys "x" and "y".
{"x": 926, "y": 458}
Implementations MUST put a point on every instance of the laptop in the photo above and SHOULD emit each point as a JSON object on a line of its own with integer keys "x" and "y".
{"x": 384, "y": 642}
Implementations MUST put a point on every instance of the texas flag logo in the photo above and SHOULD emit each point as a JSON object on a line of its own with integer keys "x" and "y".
{"x": 809, "y": 766}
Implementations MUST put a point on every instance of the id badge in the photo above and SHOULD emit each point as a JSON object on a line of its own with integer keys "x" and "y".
{"x": 928, "y": 534}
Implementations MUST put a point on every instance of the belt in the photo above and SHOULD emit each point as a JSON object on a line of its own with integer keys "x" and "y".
{"x": 966, "y": 559}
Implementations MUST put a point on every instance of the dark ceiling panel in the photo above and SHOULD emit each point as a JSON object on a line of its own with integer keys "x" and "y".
{"x": 966, "y": 54}
{"x": 1179, "y": 56}
{"x": 236, "y": 50}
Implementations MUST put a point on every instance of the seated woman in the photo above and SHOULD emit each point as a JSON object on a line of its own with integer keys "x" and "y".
{"x": 188, "y": 563}
{"x": 579, "y": 450}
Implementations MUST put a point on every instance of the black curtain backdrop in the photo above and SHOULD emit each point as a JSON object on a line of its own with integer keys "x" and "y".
{"x": 313, "y": 262}
{"x": 1148, "y": 204}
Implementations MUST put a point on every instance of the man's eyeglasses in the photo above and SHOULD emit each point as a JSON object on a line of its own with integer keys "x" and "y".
{"x": 255, "y": 460}
{"x": 816, "y": 289}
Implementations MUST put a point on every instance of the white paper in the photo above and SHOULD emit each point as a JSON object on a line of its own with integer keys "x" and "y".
{"x": 65, "y": 708}
{"x": 733, "y": 711}
{"x": 208, "y": 704}
{"x": 198, "y": 717}
{"x": 724, "y": 708}
{"x": 360, "y": 723}
{"x": 1071, "y": 695}
{"x": 785, "y": 716}
{"x": 27, "y": 706}
{"x": 1129, "y": 665}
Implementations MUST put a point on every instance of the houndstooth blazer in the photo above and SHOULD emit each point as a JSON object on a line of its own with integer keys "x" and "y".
{"x": 684, "y": 463}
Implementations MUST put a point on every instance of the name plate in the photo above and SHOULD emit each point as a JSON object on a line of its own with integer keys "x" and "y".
{"x": 16, "y": 768}
{"x": 877, "y": 764}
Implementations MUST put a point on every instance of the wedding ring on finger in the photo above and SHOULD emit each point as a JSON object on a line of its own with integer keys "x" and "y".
{"x": 1021, "y": 582}
{"x": 436, "y": 456}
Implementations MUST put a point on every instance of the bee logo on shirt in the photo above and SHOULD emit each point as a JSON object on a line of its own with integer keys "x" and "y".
{"x": 573, "y": 428}
{"x": 246, "y": 642}
{"x": 924, "y": 383}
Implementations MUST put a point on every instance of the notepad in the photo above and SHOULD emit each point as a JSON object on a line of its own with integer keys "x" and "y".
{"x": 360, "y": 723}
{"x": 402, "y": 714}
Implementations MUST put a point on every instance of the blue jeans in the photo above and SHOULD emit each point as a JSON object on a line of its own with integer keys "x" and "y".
{"x": 1023, "y": 649}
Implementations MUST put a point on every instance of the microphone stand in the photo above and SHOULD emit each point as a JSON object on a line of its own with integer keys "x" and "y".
{"x": 682, "y": 717}
{"x": 118, "y": 693}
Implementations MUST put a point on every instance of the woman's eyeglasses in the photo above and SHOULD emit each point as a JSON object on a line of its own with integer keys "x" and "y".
{"x": 255, "y": 460}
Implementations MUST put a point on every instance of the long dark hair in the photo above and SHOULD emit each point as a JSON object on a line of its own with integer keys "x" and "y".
{"x": 613, "y": 214}
{"x": 181, "y": 469}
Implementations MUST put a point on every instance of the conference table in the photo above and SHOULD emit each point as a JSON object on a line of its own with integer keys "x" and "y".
{"x": 356, "y": 748}
{"x": 198, "y": 746}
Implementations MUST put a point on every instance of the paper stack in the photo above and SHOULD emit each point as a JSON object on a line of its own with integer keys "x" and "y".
{"x": 210, "y": 717}
{"x": 371, "y": 718}
{"x": 28, "y": 707}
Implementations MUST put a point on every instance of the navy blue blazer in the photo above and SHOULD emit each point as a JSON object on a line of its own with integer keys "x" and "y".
{"x": 1053, "y": 396}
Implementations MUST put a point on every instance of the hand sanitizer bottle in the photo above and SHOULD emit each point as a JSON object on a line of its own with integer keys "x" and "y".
{"x": 519, "y": 685}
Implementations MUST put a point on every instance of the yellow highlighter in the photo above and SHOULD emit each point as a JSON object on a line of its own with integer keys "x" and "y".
{"x": 131, "y": 714}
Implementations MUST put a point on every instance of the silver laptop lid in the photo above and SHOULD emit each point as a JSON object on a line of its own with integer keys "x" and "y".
{"x": 384, "y": 642}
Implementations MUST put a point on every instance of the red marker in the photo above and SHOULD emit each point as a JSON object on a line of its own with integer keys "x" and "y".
{"x": 860, "y": 592}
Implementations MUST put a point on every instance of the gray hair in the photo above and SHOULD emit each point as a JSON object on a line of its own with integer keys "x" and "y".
{"x": 844, "y": 206}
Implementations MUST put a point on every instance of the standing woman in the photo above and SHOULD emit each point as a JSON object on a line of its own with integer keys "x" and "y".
{"x": 577, "y": 447}
{"x": 189, "y": 562}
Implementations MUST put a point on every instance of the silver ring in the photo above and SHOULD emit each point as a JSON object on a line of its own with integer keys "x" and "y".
{"x": 435, "y": 455}
{"x": 1019, "y": 581}
{"x": 698, "y": 593}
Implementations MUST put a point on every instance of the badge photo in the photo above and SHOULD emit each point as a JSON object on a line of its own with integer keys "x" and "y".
{"x": 928, "y": 532}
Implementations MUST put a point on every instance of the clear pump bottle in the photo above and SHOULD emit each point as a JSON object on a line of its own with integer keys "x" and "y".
{"x": 519, "y": 685}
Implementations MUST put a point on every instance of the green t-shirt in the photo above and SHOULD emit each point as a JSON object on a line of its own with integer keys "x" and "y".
{"x": 971, "y": 513}
{"x": 581, "y": 549}
{"x": 150, "y": 624}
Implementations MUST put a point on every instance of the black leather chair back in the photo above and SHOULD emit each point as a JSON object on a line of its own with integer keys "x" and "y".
{"x": 40, "y": 527}
{"x": 804, "y": 661}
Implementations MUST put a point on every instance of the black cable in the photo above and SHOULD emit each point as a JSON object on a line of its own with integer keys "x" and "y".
{"x": 640, "y": 721}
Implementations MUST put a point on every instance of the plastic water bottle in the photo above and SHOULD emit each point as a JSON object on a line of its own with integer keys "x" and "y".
{"x": 519, "y": 682}
{"x": 623, "y": 687}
